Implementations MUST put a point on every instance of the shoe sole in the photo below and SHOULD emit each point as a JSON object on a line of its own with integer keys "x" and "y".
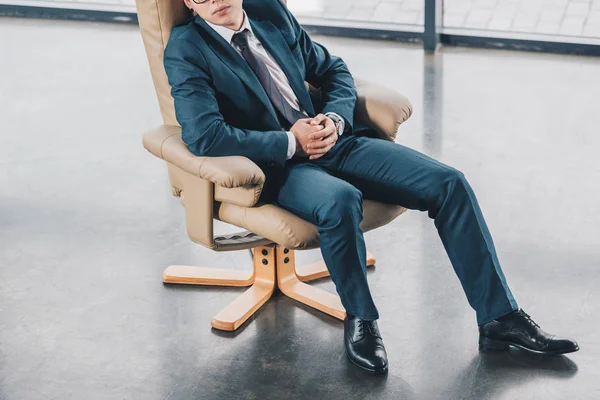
{"x": 370, "y": 370}
{"x": 498, "y": 345}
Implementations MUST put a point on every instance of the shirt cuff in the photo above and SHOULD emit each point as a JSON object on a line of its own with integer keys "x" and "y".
{"x": 341, "y": 124}
{"x": 291, "y": 145}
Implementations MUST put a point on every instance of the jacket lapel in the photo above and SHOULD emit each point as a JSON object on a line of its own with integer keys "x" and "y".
{"x": 273, "y": 41}
{"x": 235, "y": 63}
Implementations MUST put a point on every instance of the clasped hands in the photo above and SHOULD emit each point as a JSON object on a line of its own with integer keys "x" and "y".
{"x": 314, "y": 136}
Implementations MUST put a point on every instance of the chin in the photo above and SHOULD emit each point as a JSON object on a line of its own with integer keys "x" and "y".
{"x": 225, "y": 20}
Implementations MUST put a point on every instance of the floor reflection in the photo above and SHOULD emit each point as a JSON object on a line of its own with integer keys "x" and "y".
{"x": 285, "y": 348}
{"x": 433, "y": 104}
{"x": 489, "y": 375}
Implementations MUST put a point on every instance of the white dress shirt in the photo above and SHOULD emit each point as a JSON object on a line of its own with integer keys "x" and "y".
{"x": 277, "y": 74}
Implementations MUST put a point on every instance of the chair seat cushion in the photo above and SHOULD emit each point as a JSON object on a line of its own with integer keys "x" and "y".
{"x": 291, "y": 231}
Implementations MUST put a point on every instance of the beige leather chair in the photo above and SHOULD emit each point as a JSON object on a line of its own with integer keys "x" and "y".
{"x": 228, "y": 189}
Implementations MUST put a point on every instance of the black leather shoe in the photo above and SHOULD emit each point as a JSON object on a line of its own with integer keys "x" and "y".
{"x": 518, "y": 329}
{"x": 364, "y": 346}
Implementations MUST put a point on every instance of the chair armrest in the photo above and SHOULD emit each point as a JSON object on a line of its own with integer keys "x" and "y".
{"x": 234, "y": 173}
{"x": 381, "y": 108}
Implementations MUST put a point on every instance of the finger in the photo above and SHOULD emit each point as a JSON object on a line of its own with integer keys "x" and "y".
{"x": 321, "y": 150}
{"x": 322, "y": 143}
{"x": 321, "y": 153}
{"x": 312, "y": 152}
{"x": 328, "y": 123}
{"x": 318, "y": 119}
{"x": 322, "y": 133}
{"x": 306, "y": 121}
{"x": 316, "y": 148}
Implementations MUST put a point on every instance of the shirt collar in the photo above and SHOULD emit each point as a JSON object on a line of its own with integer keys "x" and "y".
{"x": 227, "y": 33}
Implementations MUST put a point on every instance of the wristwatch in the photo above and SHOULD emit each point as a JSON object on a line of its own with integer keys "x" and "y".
{"x": 337, "y": 120}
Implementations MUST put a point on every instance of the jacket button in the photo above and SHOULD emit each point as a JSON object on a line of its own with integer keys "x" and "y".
{"x": 270, "y": 164}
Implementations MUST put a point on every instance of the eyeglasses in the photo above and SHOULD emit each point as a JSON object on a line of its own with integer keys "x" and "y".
{"x": 200, "y": 1}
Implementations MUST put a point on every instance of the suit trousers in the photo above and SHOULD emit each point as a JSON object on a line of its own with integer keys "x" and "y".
{"x": 329, "y": 191}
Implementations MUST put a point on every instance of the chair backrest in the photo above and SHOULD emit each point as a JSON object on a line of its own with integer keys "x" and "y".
{"x": 156, "y": 19}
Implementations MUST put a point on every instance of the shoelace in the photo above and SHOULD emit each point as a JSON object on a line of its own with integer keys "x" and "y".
{"x": 528, "y": 318}
{"x": 370, "y": 326}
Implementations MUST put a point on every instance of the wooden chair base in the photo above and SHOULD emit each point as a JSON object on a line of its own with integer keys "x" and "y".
{"x": 274, "y": 266}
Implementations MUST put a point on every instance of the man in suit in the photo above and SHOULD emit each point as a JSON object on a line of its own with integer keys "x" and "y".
{"x": 237, "y": 74}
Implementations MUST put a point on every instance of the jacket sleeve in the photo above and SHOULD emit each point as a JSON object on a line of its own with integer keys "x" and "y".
{"x": 203, "y": 128}
{"x": 328, "y": 72}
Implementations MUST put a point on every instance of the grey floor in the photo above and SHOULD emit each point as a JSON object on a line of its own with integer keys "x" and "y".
{"x": 87, "y": 224}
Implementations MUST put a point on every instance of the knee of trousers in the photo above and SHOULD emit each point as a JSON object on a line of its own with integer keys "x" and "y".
{"x": 342, "y": 207}
{"x": 449, "y": 182}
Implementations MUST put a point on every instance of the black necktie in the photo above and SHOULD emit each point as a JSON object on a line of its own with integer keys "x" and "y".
{"x": 261, "y": 71}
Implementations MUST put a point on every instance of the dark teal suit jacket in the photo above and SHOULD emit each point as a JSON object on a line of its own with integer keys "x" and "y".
{"x": 220, "y": 103}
